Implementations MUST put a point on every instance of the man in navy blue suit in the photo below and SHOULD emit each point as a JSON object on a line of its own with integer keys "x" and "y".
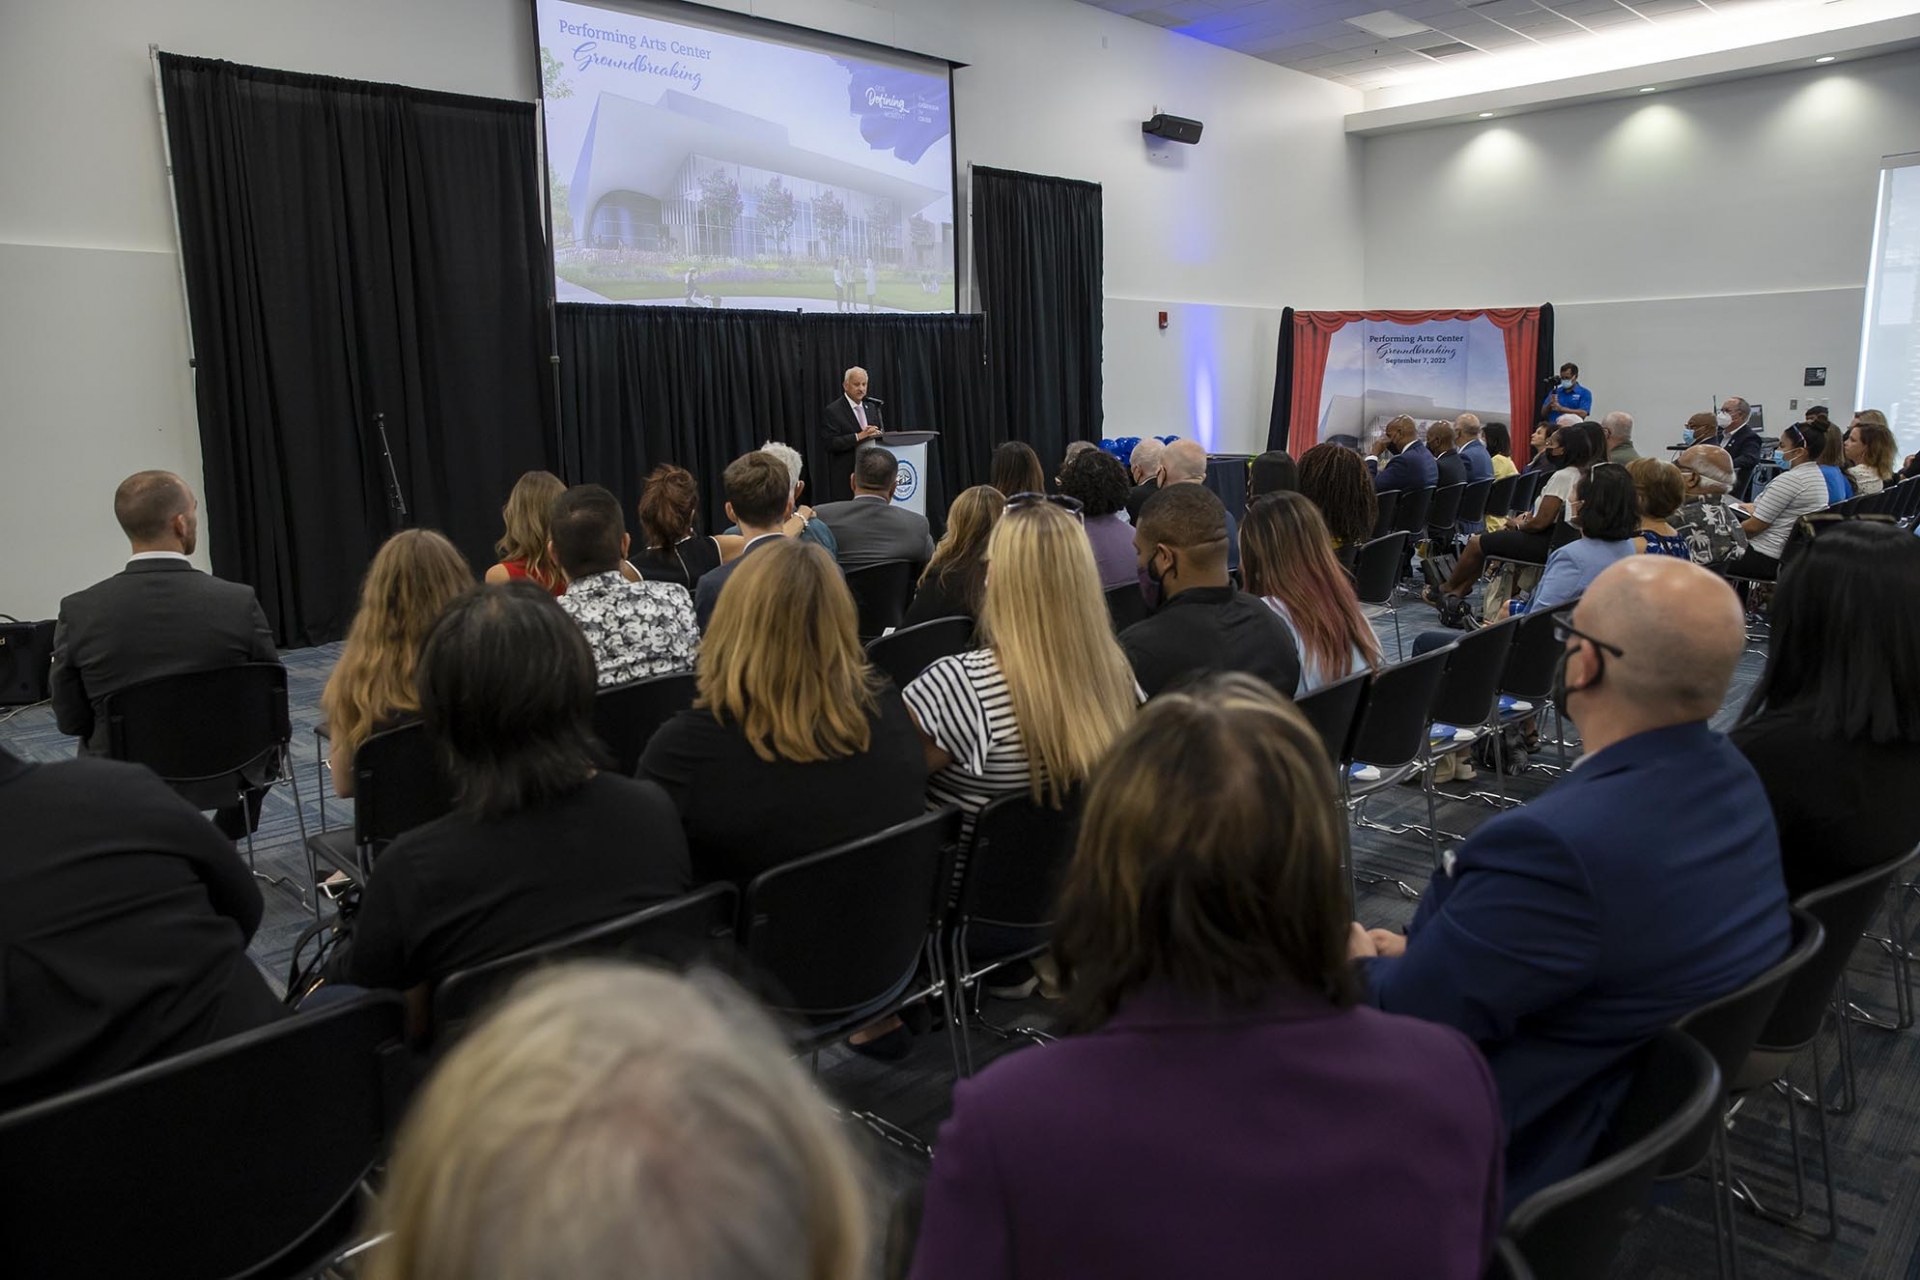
{"x": 1561, "y": 937}
{"x": 1410, "y": 467}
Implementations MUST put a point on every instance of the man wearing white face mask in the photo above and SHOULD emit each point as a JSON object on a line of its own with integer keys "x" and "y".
{"x": 1800, "y": 489}
{"x": 1737, "y": 436}
{"x": 1568, "y": 396}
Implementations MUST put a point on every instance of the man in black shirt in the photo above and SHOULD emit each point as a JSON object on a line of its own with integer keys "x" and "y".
{"x": 124, "y": 922}
{"x": 1204, "y": 624}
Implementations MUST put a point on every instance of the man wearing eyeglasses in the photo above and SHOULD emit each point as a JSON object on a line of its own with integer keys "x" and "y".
{"x": 1564, "y": 935}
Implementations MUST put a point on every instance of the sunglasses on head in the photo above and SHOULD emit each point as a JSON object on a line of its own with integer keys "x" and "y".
{"x": 1072, "y": 506}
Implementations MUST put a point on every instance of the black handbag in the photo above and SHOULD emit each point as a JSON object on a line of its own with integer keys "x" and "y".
{"x": 26, "y": 661}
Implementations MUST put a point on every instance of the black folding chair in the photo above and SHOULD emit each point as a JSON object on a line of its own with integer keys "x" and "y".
{"x": 626, "y": 716}
{"x": 1443, "y": 512}
{"x": 1472, "y": 509}
{"x": 1467, "y": 700}
{"x": 1508, "y": 1263}
{"x": 687, "y": 929}
{"x": 1527, "y": 678}
{"x": 1391, "y": 738}
{"x": 1334, "y": 712}
{"x": 213, "y": 736}
{"x": 881, "y": 593}
{"x": 1572, "y": 1230}
{"x": 1526, "y": 490}
{"x": 1410, "y": 517}
{"x": 398, "y": 784}
{"x": 1008, "y": 881}
{"x": 911, "y": 650}
{"x": 1376, "y": 575}
{"x": 1729, "y": 1028}
{"x": 1499, "y": 497}
{"x": 837, "y": 937}
{"x": 1388, "y": 502}
{"x": 1125, "y": 605}
{"x": 1844, "y": 910}
{"x": 243, "y": 1158}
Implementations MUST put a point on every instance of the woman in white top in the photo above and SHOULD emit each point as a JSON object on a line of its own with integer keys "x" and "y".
{"x": 1870, "y": 455}
{"x": 1799, "y": 490}
{"x": 1286, "y": 555}
{"x": 1528, "y": 537}
{"x": 1037, "y": 707}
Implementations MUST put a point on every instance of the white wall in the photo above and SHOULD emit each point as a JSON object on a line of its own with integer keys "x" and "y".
{"x": 1708, "y": 241}
{"x": 93, "y": 340}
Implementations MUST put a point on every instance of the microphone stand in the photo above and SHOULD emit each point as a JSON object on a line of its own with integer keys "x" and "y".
{"x": 396, "y": 502}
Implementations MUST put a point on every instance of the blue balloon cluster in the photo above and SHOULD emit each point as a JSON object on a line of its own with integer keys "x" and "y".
{"x": 1122, "y": 448}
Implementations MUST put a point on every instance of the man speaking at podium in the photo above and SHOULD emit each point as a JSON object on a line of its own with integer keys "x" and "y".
{"x": 851, "y": 420}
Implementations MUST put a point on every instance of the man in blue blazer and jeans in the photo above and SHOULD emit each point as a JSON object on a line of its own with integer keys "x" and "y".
{"x": 1562, "y": 936}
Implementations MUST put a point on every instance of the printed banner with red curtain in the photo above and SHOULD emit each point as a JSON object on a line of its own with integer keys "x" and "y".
{"x": 1352, "y": 371}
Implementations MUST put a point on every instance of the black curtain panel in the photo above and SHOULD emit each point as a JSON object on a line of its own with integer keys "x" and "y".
{"x": 1037, "y": 245}
{"x": 642, "y": 385}
{"x": 1543, "y": 365}
{"x": 1280, "y": 421}
{"x": 355, "y": 255}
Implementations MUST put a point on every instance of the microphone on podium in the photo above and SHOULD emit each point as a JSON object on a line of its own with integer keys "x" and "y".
{"x": 873, "y": 400}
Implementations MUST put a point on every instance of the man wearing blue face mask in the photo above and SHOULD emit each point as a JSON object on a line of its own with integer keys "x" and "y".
{"x": 1568, "y": 396}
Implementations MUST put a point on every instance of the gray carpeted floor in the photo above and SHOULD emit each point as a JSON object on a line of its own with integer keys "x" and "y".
{"x": 1876, "y": 1149}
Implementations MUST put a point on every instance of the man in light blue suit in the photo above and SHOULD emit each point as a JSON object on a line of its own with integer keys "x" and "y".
{"x": 1562, "y": 936}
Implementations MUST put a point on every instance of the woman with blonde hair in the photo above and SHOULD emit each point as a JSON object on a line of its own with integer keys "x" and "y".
{"x": 951, "y": 584}
{"x": 1286, "y": 555}
{"x": 409, "y": 584}
{"x": 794, "y": 743}
{"x": 1038, "y": 706}
{"x": 1206, "y": 943}
{"x": 523, "y": 549}
{"x": 1869, "y": 453}
{"x": 617, "y": 1123}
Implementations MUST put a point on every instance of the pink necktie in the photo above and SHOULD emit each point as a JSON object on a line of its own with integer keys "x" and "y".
{"x": 860, "y": 414}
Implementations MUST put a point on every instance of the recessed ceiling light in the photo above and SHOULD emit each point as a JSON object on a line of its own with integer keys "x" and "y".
{"x": 1486, "y": 115}
{"x": 1650, "y": 89}
{"x": 1828, "y": 58}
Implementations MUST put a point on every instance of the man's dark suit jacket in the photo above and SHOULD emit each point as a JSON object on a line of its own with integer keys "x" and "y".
{"x": 1451, "y": 468}
{"x": 1137, "y": 498}
{"x": 870, "y": 530}
{"x": 159, "y": 617}
{"x": 1563, "y": 936}
{"x": 707, "y": 593}
{"x": 124, "y": 922}
{"x": 842, "y": 431}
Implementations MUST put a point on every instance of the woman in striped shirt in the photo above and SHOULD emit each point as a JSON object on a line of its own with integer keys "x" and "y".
{"x": 1039, "y": 705}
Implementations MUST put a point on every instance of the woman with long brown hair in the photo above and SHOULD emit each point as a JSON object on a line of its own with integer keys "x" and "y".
{"x": 1203, "y": 930}
{"x": 1335, "y": 480}
{"x": 1037, "y": 707}
{"x": 794, "y": 743}
{"x": 1016, "y": 469}
{"x": 951, "y": 584}
{"x": 668, "y": 549}
{"x": 523, "y": 549}
{"x": 409, "y": 584}
{"x": 1870, "y": 455}
{"x": 1287, "y": 558}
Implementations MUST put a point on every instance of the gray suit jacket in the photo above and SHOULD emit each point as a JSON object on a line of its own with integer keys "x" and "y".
{"x": 870, "y": 530}
{"x": 154, "y": 618}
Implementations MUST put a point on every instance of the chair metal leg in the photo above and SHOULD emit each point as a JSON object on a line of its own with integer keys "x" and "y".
{"x": 1723, "y": 1180}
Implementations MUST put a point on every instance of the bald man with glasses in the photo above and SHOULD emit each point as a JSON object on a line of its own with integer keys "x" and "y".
{"x": 1562, "y": 936}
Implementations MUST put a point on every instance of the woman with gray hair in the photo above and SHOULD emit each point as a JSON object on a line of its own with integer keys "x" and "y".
{"x": 617, "y": 1123}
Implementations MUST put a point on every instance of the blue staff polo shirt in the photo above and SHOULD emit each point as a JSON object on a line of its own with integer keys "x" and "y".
{"x": 1579, "y": 400}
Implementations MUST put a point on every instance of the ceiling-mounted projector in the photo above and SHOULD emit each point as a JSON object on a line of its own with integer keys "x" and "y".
{"x": 1172, "y": 128}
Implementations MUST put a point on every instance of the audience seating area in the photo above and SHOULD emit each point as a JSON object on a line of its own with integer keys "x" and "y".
{"x": 257, "y": 1155}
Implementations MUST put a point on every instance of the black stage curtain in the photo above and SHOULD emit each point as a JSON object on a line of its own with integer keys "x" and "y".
{"x": 1037, "y": 245}
{"x": 642, "y": 385}
{"x": 1543, "y": 365}
{"x": 355, "y": 249}
{"x": 1280, "y": 421}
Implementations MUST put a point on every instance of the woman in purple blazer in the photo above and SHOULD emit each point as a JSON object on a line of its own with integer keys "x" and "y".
{"x": 1231, "y": 1111}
